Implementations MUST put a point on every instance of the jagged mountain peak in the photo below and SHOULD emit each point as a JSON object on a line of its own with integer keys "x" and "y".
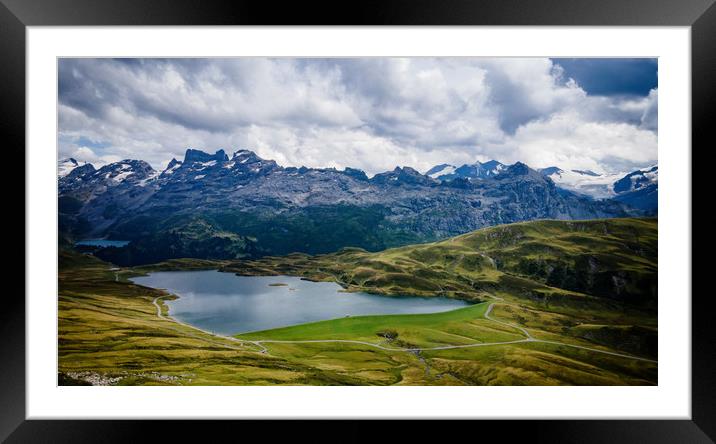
{"x": 518, "y": 168}
{"x": 172, "y": 167}
{"x": 67, "y": 165}
{"x": 521, "y": 171}
{"x": 79, "y": 172}
{"x": 409, "y": 170}
{"x": 635, "y": 180}
{"x": 217, "y": 169}
{"x": 491, "y": 165}
{"x": 128, "y": 169}
{"x": 246, "y": 156}
{"x": 355, "y": 173}
{"x": 471, "y": 171}
{"x": 403, "y": 175}
{"x": 173, "y": 163}
{"x": 194, "y": 155}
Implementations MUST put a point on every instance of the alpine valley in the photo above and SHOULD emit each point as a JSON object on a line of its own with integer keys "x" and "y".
{"x": 370, "y": 221}
{"x": 216, "y": 206}
{"x": 524, "y": 276}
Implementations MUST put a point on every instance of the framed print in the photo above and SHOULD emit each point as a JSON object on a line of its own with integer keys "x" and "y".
{"x": 232, "y": 217}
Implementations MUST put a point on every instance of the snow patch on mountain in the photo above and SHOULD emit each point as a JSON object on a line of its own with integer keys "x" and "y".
{"x": 122, "y": 176}
{"x": 172, "y": 167}
{"x": 149, "y": 178}
{"x": 474, "y": 171}
{"x": 602, "y": 186}
{"x": 493, "y": 167}
{"x": 65, "y": 166}
{"x": 599, "y": 186}
{"x": 440, "y": 170}
{"x": 637, "y": 180}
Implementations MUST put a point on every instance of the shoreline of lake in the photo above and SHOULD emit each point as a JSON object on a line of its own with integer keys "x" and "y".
{"x": 102, "y": 243}
{"x": 231, "y": 304}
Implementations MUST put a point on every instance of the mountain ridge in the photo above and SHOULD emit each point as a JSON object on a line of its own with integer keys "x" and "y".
{"x": 253, "y": 206}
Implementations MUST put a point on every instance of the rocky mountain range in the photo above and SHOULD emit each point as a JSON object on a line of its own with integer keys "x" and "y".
{"x": 638, "y": 189}
{"x": 221, "y": 206}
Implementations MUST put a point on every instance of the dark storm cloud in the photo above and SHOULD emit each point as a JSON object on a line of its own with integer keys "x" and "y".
{"x": 608, "y": 77}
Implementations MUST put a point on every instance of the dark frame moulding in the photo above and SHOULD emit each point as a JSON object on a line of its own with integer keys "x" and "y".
{"x": 16, "y": 15}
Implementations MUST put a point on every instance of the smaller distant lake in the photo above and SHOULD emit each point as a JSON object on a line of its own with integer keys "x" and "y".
{"x": 229, "y": 304}
{"x": 102, "y": 243}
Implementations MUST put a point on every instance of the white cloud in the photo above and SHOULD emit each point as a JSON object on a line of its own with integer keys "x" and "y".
{"x": 86, "y": 154}
{"x": 649, "y": 118}
{"x": 372, "y": 113}
{"x": 566, "y": 139}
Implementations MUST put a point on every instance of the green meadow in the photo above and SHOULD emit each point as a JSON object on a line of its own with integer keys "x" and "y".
{"x": 590, "y": 284}
{"x": 456, "y": 327}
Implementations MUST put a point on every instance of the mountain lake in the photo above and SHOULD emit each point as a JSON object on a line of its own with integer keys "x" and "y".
{"x": 102, "y": 243}
{"x": 228, "y": 304}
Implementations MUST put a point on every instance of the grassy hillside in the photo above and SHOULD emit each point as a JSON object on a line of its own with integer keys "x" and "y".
{"x": 583, "y": 281}
{"x": 109, "y": 333}
{"x": 548, "y": 261}
{"x": 589, "y": 284}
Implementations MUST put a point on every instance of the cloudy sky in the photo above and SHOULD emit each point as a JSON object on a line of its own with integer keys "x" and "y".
{"x": 369, "y": 113}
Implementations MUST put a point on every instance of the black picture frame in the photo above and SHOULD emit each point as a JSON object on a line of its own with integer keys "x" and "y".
{"x": 16, "y": 15}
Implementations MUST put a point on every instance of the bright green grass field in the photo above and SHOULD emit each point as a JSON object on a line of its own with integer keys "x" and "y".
{"x": 462, "y": 326}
